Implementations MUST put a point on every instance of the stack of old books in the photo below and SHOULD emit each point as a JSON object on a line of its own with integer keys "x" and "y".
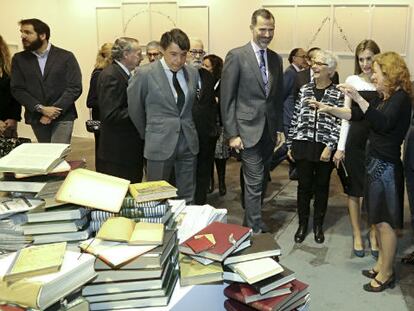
{"x": 135, "y": 265}
{"x": 40, "y": 276}
{"x": 147, "y": 202}
{"x": 259, "y": 282}
{"x": 202, "y": 254}
{"x": 62, "y": 223}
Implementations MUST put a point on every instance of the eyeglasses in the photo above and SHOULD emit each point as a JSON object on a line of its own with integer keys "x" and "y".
{"x": 318, "y": 63}
{"x": 197, "y": 52}
{"x": 302, "y": 56}
{"x": 153, "y": 54}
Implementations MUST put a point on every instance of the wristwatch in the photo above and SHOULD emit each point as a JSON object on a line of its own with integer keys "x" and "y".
{"x": 39, "y": 108}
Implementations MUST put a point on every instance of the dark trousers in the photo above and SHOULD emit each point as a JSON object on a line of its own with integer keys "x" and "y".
{"x": 205, "y": 160}
{"x": 255, "y": 164}
{"x": 409, "y": 181}
{"x": 97, "y": 160}
{"x": 130, "y": 171}
{"x": 182, "y": 164}
{"x": 313, "y": 179}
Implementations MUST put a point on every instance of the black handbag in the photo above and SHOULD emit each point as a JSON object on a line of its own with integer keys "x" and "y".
{"x": 8, "y": 144}
{"x": 92, "y": 126}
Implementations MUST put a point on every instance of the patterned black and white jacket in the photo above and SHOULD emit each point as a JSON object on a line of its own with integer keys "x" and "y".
{"x": 307, "y": 124}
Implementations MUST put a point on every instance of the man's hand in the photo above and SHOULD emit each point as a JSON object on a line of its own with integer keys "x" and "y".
{"x": 326, "y": 154}
{"x": 3, "y": 127}
{"x": 236, "y": 143}
{"x": 289, "y": 154}
{"x": 338, "y": 157}
{"x": 280, "y": 139}
{"x": 11, "y": 124}
{"x": 45, "y": 120}
{"x": 51, "y": 112}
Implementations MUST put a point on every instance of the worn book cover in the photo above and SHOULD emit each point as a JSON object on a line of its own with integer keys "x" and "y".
{"x": 193, "y": 272}
{"x": 152, "y": 190}
{"x": 92, "y": 189}
{"x": 275, "y": 281}
{"x": 36, "y": 260}
{"x": 262, "y": 245}
{"x": 298, "y": 290}
{"x": 227, "y": 236}
{"x": 43, "y": 158}
{"x": 256, "y": 270}
{"x": 249, "y": 294}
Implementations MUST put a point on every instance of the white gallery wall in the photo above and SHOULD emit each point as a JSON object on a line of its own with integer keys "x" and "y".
{"x": 82, "y": 25}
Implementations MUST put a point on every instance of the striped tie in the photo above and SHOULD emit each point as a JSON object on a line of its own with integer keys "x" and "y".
{"x": 262, "y": 67}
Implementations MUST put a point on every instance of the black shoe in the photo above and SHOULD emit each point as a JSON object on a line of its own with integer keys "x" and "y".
{"x": 390, "y": 283}
{"x": 369, "y": 273}
{"x": 222, "y": 189}
{"x": 211, "y": 187}
{"x": 264, "y": 227}
{"x": 319, "y": 236}
{"x": 301, "y": 233}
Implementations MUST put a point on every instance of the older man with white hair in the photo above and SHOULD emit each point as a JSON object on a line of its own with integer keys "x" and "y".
{"x": 204, "y": 115}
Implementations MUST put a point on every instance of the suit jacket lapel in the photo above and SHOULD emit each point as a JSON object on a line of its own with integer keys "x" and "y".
{"x": 50, "y": 60}
{"x": 190, "y": 87}
{"x": 121, "y": 72}
{"x": 252, "y": 60}
{"x": 163, "y": 83}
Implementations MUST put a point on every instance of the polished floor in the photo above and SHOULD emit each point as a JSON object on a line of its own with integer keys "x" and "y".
{"x": 331, "y": 269}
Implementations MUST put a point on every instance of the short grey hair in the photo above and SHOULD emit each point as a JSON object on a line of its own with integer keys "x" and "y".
{"x": 121, "y": 45}
{"x": 329, "y": 58}
{"x": 153, "y": 45}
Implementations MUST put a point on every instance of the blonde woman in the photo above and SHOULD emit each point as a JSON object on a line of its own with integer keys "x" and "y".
{"x": 388, "y": 119}
{"x": 103, "y": 59}
{"x": 10, "y": 109}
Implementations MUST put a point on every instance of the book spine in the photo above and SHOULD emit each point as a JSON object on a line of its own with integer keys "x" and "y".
{"x": 154, "y": 220}
{"x": 101, "y": 215}
{"x": 95, "y": 225}
{"x": 149, "y": 211}
{"x": 129, "y": 202}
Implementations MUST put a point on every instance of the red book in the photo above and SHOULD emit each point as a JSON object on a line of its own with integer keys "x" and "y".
{"x": 199, "y": 245}
{"x": 11, "y": 308}
{"x": 234, "y": 305}
{"x": 228, "y": 237}
{"x": 299, "y": 290}
{"x": 247, "y": 294}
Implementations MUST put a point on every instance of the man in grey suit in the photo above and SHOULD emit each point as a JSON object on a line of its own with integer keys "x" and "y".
{"x": 252, "y": 110}
{"x": 160, "y": 102}
{"x": 47, "y": 81}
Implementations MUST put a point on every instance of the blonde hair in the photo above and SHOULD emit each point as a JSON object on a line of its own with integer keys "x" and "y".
{"x": 395, "y": 71}
{"x": 5, "y": 58}
{"x": 104, "y": 57}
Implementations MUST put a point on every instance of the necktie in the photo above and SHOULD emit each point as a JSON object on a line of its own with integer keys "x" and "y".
{"x": 262, "y": 67}
{"x": 179, "y": 90}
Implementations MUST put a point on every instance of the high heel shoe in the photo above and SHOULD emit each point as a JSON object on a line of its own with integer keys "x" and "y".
{"x": 374, "y": 253}
{"x": 369, "y": 273}
{"x": 382, "y": 285}
{"x": 358, "y": 252}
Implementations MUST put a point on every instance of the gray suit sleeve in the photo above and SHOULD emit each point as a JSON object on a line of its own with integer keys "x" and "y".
{"x": 137, "y": 89}
{"x": 228, "y": 94}
{"x": 73, "y": 80}
{"x": 18, "y": 87}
